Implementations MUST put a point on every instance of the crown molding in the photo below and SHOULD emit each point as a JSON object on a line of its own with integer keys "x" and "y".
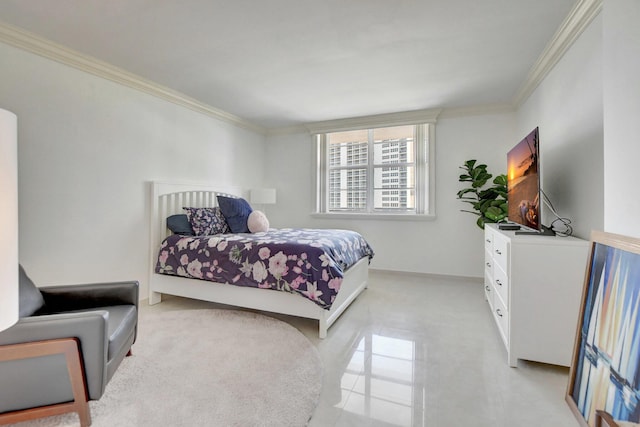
{"x": 477, "y": 110}
{"x": 27, "y": 41}
{"x": 395, "y": 119}
{"x": 571, "y": 28}
{"x": 390, "y": 119}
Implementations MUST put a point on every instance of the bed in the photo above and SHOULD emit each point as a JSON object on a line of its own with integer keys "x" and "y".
{"x": 169, "y": 198}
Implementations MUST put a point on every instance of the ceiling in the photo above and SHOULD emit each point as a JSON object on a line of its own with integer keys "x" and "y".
{"x": 282, "y": 63}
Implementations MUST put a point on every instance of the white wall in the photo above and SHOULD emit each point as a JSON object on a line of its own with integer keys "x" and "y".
{"x": 621, "y": 114}
{"x": 87, "y": 149}
{"x": 451, "y": 244}
{"x": 567, "y": 106}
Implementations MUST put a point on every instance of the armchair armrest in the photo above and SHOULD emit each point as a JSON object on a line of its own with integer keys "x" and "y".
{"x": 90, "y": 328}
{"x": 95, "y": 295}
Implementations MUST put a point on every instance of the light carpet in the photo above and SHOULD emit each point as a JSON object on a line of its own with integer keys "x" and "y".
{"x": 209, "y": 368}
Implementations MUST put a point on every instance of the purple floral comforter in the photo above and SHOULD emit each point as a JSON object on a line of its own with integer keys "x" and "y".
{"x": 309, "y": 262}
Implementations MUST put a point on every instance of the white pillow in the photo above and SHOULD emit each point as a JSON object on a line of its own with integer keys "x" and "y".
{"x": 257, "y": 222}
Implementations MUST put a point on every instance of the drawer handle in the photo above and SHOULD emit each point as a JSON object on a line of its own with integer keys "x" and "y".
{"x": 487, "y": 288}
{"x": 488, "y": 240}
{"x": 498, "y": 252}
{"x": 498, "y": 282}
{"x": 498, "y": 312}
{"x": 489, "y": 264}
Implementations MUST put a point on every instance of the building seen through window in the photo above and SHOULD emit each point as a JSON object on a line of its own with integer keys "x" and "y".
{"x": 376, "y": 165}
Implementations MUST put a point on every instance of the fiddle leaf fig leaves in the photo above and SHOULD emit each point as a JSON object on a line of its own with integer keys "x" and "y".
{"x": 489, "y": 204}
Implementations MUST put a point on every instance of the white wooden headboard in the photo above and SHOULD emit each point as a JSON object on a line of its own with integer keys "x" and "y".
{"x": 168, "y": 198}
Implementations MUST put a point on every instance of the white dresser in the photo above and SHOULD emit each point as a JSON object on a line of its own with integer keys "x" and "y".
{"x": 533, "y": 285}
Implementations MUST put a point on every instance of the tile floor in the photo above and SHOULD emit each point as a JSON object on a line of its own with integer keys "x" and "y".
{"x": 418, "y": 350}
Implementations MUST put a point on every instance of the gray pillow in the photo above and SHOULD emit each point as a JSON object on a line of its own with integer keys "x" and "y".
{"x": 31, "y": 299}
{"x": 179, "y": 224}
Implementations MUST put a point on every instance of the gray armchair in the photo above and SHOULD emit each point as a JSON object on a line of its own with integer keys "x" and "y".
{"x": 98, "y": 322}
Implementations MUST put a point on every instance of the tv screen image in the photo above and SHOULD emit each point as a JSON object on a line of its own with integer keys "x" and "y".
{"x": 523, "y": 182}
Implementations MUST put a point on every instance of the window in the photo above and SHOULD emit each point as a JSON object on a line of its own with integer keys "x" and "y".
{"x": 382, "y": 170}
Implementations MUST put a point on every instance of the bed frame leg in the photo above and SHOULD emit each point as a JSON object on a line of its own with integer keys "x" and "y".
{"x": 154, "y": 297}
{"x": 323, "y": 325}
{"x": 322, "y": 329}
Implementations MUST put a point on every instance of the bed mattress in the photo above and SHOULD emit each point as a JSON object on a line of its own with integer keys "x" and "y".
{"x": 308, "y": 262}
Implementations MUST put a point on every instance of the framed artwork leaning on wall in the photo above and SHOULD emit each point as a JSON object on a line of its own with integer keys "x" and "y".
{"x": 605, "y": 368}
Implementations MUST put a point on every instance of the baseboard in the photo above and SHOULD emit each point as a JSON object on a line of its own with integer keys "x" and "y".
{"x": 421, "y": 274}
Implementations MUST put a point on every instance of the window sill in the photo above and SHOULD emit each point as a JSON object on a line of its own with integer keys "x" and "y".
{"x": 375, "y": 216}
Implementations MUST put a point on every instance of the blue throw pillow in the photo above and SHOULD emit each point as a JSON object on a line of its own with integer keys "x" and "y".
{"x": 236, "y": 211}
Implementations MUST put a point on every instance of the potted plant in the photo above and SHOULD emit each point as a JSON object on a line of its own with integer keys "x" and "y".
{"x": 489, "y": 204}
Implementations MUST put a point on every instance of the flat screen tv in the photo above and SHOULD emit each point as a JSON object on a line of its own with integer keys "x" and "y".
{"x": 523, "y": 185}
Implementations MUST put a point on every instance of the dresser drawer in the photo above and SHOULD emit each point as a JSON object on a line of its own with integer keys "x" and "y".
{"x": 501, "y": 314}
{"x": 488, "y": 263}
{"x": 501, "y": 282}
{"x": 501, "y": 252}
{"x": 488, "y": 290}
{"x": 488, "y": 240}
